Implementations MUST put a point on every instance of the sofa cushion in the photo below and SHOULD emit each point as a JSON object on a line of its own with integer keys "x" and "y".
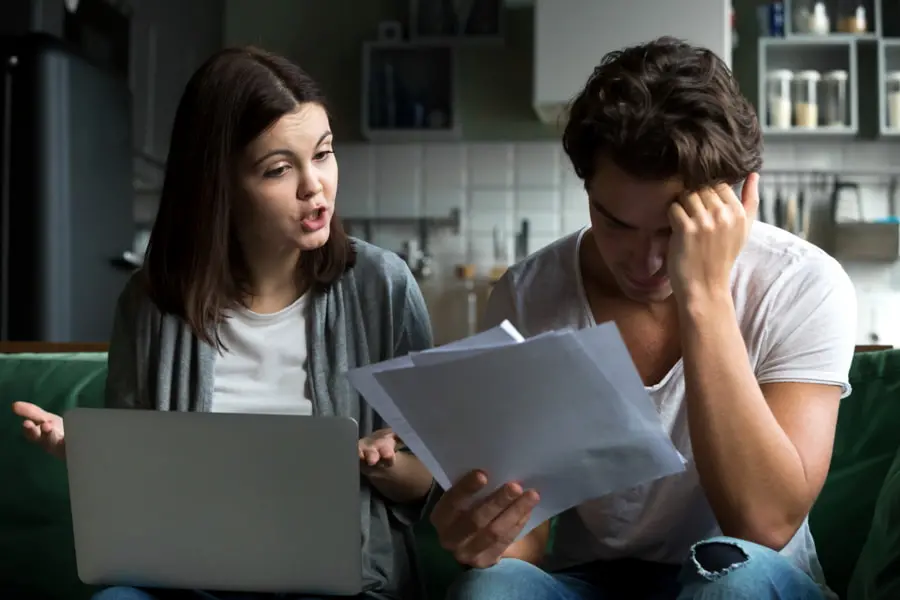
{"x": 865, "y": 446}
{"x": 877, "y": 575}
{"x": 35, "y": 519}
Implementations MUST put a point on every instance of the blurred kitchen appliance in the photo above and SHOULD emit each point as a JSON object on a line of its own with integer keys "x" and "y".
{"x": 66, "y": 200}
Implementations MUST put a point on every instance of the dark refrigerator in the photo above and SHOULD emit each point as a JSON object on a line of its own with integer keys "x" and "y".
{"x": 66, "y": 199}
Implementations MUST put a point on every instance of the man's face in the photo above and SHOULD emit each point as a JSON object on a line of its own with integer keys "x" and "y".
{"x": 630, "y": 226}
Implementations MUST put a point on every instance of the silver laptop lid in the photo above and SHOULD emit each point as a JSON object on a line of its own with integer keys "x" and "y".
{"x": 261, "y": 503}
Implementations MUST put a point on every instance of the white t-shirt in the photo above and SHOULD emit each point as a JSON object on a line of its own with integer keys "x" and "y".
{"x": 264, "y": 366}
{"x": 796, "y": 308}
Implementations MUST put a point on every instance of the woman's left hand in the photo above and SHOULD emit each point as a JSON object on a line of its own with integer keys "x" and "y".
{"x": 379, "y": 449}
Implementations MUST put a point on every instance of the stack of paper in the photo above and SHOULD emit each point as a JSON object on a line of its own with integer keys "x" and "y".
{"x": 564, "y": 413}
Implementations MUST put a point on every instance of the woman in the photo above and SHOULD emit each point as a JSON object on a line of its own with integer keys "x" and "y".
{"x": 247, "y": 264}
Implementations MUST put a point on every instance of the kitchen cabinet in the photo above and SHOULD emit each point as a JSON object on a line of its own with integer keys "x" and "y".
{"x": 409, "y": 92}
{"x": 571, "y": 36}
{"x": 809, "y": 85}
{"x": 861, "y": 44}
{"x": 170, "y": 39}
{"x": 456, "y": 23}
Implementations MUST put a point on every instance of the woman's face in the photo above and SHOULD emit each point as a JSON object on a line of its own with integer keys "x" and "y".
{"x": 288, "y": 180}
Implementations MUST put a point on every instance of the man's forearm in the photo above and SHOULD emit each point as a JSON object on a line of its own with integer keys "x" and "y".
{"x": 750, "y": 470}
{"x": 407, "y": 480}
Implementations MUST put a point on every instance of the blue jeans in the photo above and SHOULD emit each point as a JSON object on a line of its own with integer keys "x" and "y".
{"x": 131, "y": 593}
{"x": 719, "y": 569}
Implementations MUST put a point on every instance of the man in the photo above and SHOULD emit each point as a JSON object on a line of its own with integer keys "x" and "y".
{"x": 742, "y": 333}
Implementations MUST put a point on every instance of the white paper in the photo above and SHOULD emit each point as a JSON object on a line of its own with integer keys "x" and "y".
{"x": 365, "y": 382}
{"x": 565, "y": 414}
{"x": 471, "y": 347}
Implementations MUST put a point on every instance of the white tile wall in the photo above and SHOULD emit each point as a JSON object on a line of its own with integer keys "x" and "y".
{"x": 496, "y": 185}
{"x": 499, "y": 184}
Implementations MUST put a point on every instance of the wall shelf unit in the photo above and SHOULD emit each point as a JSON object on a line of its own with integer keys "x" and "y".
{"x": 457, "y": 22}
{"x": 824, "y": 55}
{"x": 889, "y": 87}
{"x": 844, "y": 19}
{"x": 409, "y": 92}
{"x": 863, "y": 39}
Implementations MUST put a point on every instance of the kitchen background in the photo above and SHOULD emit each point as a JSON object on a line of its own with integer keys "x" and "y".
{"x": 447, "y": 117}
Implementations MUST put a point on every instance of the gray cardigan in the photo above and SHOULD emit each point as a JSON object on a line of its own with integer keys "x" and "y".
{"x": 374, "y": 312}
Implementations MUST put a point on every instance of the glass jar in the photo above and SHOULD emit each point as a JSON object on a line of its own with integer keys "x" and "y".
{"x": 806, "y": 101}
{"x": 778, "y": 98}
{"x": 892, "y": 99}
{"x": 851, "y": 17}
{"x": 834, "y": 99}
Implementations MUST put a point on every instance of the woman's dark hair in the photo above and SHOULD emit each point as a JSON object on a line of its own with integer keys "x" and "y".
{"x": 664, "y": 109}
{"x": 194, "y": 266}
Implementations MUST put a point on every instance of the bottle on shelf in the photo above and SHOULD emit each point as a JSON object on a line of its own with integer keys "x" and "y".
{"x": 802, "y": 15}
{"x": 819, "y": 23}
{"x": 851, "y": 17}
{"x": 834, "y": 99}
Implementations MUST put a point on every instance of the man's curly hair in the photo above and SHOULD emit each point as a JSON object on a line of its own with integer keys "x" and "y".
{"x": 664, "y": 109}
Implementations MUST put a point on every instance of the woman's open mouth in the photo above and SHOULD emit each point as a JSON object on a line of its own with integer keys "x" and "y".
{"x": 315, "y": 221}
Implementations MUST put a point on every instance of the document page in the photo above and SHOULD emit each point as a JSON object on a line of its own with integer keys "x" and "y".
{"x": 564, "y": 413}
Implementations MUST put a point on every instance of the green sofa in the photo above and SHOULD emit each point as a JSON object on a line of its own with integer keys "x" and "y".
{"x": 856, "y": 521}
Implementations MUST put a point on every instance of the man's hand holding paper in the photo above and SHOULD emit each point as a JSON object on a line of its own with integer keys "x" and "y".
{"x": 478, "y": 532}
{"x": 564, "y": 414}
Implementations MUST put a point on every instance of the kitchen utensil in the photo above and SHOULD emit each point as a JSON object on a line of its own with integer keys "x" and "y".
{"x": 843, "y": 192}
{"x": 778, "y": 209}
{"x": 500, "y": 249}
{"x": 763, "y": 204}
{"x": 790, "y": 213}
{"x": 522, "y": 240}
{"x": 892, "y": 196}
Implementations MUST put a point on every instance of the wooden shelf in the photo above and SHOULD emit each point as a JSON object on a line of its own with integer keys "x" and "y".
{"x": 874, "y": 20}
{"x": 820, "y": 132}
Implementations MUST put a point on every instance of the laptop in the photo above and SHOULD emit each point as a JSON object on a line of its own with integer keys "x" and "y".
{"x": 220, "y": 502}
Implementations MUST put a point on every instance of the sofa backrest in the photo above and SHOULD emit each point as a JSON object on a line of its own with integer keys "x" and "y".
{"x": 865, "y": 445}
{"x": 35, "y": 524}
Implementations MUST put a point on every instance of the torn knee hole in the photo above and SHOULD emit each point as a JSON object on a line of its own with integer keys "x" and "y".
{"x": 718, "y": 557}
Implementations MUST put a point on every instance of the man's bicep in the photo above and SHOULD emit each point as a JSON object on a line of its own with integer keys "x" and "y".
{"x": 807, "y": 413}
{"x": 804, "y": 365}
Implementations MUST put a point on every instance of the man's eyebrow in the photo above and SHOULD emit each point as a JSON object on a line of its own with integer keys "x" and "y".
{"x": 611, "y": 217}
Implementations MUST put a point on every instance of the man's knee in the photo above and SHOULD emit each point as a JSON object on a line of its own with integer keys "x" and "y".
{"x": 735, "y": 569}
{"x": 507, "y": 580}
{"x": 122, "y": 593}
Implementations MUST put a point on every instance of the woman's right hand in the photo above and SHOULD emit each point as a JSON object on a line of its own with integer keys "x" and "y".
{"x": 42, "y": 427}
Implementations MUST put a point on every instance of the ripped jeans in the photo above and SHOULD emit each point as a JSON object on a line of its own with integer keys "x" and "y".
{"x": 719, "y": 569}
